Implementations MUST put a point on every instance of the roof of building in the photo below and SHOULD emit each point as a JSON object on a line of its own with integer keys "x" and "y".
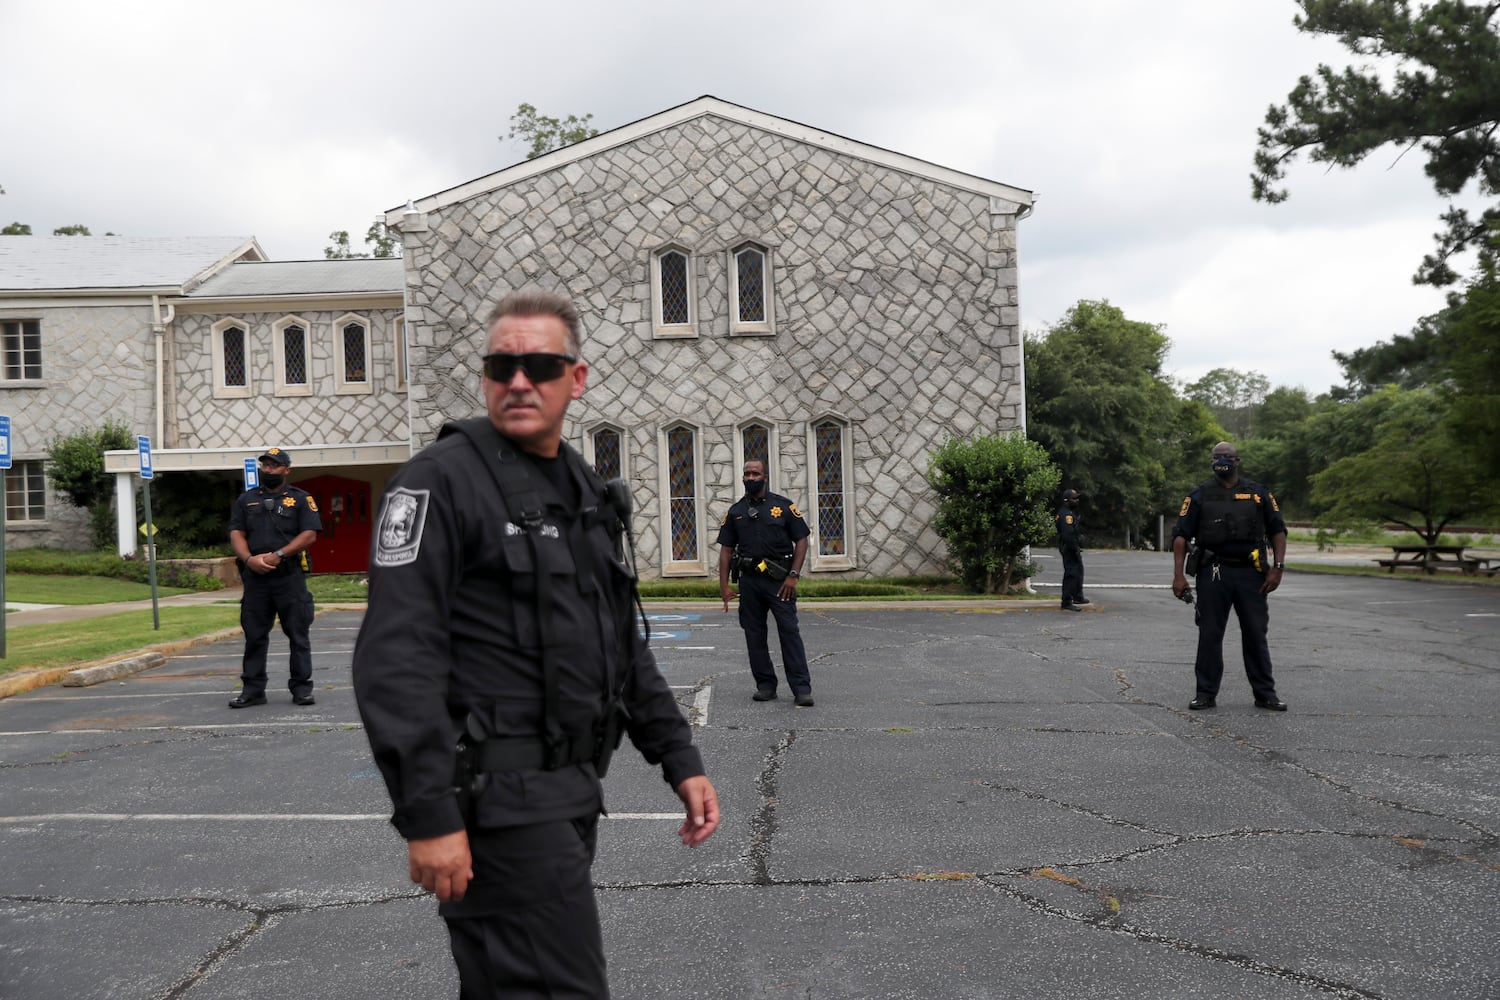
{"x": 58, "y": 263}
{"x": 265, "y": 279}
{"x": 1020, "y": 199}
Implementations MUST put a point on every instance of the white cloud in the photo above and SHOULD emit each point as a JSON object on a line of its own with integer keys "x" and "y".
{"x": 1134, "y": 122}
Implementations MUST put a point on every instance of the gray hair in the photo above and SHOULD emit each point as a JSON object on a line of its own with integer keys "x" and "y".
{"x": 539, "y": 302}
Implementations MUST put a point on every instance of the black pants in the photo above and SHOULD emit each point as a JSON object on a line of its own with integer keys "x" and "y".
{"x": 758, "y": 596}
{"x": 528, "y": 926}
{"x": 265, "y": 599}
{"x": 1220, "y": 588}
{"x": 1072, "y": 584}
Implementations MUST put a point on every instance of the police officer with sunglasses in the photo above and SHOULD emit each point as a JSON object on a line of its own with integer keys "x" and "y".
{"x": 499, "y": 662}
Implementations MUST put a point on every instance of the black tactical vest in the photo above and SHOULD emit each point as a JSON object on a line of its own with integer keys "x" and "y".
{"x": 1229, "y": 517}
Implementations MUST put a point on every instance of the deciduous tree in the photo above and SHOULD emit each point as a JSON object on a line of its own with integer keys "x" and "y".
{"x": 1416, "y": 473}
{"x": 1097, "y": 402}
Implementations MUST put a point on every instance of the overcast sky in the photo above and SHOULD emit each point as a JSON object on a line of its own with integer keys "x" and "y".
{"x": 1134, "y": 122}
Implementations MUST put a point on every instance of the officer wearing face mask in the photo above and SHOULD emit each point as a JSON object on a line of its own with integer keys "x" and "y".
{"x": 763, "y": 543}
{"x": 269, "y": 529}
{"x": 1241, "y": 541}
{"x": 1070, "y": 547}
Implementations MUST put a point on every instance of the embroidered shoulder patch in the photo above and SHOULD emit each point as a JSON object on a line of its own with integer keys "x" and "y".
{"x": 400, "y": 531}
{"x": 312, "y": 504}
{"x": 795, "y": 512}
{"x": 1186, "y": 503}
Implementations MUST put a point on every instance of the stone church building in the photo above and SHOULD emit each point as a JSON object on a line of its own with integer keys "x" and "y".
{"x": 750, "y": 288}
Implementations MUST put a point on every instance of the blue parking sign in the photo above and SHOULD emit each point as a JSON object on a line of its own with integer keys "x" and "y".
{"x": 252, "y": 474}
{"x": 143, "y": 445}
{"x": 4, "y": 442}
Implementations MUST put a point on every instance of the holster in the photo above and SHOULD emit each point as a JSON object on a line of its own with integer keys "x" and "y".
{"x": 611, "y": 731}
{"x": 1190, "y": 565}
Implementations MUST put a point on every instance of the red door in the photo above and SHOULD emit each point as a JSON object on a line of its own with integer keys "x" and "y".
{"x": 344, "y": 506}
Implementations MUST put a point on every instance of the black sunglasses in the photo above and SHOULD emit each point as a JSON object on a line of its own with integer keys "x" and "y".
{"x": 538, "y": 367}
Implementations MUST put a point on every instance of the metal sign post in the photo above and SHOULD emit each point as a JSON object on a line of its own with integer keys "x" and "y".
{"x": 143, "y": 445}
{"x": 4, "y": 502}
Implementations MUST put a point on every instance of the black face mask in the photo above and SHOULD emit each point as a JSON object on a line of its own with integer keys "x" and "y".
{"x": 754, "y": 487}
{"x": 271, "y": 480}
{"x": 1223, "y": 466}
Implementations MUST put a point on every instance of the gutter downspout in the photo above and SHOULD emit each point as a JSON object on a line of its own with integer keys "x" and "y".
{"x": 159, "y": 326}
{"x": 1024, "y": 213}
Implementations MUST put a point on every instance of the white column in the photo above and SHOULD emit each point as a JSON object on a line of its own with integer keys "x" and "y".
{"x": 125, "y": 526}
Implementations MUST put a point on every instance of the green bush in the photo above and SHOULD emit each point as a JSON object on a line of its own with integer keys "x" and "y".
{"x": 60, "y": 562}
{"x": 994, "y": 500}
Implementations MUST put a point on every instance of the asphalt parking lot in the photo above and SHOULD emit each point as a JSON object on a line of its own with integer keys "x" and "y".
{"x": 982, "y": 804}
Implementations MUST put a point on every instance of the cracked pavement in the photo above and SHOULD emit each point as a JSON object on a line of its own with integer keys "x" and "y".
{"x": 982, "y": 804}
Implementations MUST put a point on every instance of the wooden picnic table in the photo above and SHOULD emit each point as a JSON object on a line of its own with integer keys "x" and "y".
{"x": 1431, "y": 558}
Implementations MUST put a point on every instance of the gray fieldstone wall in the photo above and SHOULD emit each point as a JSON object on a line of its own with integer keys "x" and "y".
{"x": 97, "y": 365}
{"x": 195, "y": 418}
{"x": 895, "y": 305}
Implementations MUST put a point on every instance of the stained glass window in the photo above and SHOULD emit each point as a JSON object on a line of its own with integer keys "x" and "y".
{"x": 354, "y": 352}
{"x": 235, "y": 370}
{"x": 829, "y": 436}
{"x": 750, "y": 272}
{"x": 294, "y": 350}
{"x": 674, "y": 288}
{"x": 755, "y": 441}
{"x": 683, "y": 497}
{"x": 607, "y": 453}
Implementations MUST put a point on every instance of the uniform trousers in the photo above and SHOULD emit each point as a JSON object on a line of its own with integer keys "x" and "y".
{"x": 528, "y": 927}
{"x": 757, "y": 596}
{"x": 266, "y": 598}
{"x": 1072, "y": 581}
{"x": 1220, "y": 588}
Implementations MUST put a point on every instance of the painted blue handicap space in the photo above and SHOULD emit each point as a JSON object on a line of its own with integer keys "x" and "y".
{"x": 671, "y": 625}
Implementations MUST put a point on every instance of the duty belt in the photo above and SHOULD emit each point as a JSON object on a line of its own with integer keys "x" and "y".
{"x": 529, "y": 753}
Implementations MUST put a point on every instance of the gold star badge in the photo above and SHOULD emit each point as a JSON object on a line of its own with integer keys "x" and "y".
{"x": 288, "y": 501}
{"x": 775, "y": 511}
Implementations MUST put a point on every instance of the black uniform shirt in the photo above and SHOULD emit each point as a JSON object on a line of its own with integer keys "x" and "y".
{"x": 1244, "y": 491}
{"x": 452, "y": 629}
{"x": 768, "y": 526}
{"x": 1067, "y": 529}
{"x": 270, "y": 519}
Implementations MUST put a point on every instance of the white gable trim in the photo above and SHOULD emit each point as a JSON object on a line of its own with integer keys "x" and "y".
{"x": 703, "y": 107}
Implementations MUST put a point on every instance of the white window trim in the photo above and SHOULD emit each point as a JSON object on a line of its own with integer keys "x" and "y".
{"x": 670, "y": 566}
{"x": 23, "y": 381}
{"x": 773, "y": 443}
{"x": 19, "y": 466}
{"x": 278, "y": 352}
{"x": 737, "y": 328}
{"x": 398, "y": 339}
{"x": 675, "y": 331}
{"x": 588, "y": 445}
{"x": 222, "y": 391}
{"x": 341, "y": 386}
{"x": 849, "y": 560}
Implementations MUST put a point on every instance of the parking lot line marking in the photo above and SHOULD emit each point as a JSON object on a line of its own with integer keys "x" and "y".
{"x": 700, "y": 706}
{"x": 303, "y": 724}
{"x": 249, "y": 817}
